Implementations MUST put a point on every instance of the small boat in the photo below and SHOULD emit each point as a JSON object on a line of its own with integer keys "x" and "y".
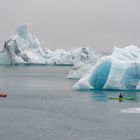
{"x": 124, "y": 98}
{"x": 3, "y": 94}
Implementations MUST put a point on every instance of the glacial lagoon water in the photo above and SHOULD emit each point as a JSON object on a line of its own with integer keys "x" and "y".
{"x": 42, "y": 106}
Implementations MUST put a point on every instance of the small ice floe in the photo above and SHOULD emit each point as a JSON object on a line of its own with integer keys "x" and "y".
{"x": 131, "y": 110}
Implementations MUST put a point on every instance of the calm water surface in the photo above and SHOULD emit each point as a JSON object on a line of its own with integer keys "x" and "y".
{"x": 41, "y": 106}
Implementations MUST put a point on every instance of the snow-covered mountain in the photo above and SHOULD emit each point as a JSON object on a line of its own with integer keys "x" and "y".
{"x": 119, "y": 71}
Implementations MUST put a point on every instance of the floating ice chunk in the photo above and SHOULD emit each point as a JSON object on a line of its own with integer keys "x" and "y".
{"x": 119, "y": 71}
{"x": 25, "y": 48}
{"x": 131, "y": 110}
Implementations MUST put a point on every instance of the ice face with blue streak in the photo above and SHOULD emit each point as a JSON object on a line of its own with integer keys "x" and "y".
{"x": 119, "y": 71}
{"x": 124, "y": 75}
{"x": 132, "y": 76}
{"x": 100, "y": 74}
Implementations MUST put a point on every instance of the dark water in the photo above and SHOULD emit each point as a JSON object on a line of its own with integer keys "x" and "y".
{"x": 41, "y": 106}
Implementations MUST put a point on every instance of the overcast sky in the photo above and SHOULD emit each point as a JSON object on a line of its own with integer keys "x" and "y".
{"x": 101, "y": 24}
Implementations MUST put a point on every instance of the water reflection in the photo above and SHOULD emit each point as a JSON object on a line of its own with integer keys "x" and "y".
{"x": 107, "y": 95}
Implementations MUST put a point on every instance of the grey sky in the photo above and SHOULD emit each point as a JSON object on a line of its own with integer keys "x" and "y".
{"x": 101, "y": 24}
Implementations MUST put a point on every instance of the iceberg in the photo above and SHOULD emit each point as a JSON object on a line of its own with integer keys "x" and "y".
{"x": 131, "y": 110}
{"x": 25, "y": 48}
{"x": 22, "y": 48}
{"x": 77, "y": 55}
{"x": 80, "y": 68}
{"x": 119, "y": 71}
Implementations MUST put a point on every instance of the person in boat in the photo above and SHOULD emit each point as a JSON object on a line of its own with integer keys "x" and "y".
{"x": 121, "y": 97}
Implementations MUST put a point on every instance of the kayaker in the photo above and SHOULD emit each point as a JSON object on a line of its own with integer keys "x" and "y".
{"x": 120, "y": 95}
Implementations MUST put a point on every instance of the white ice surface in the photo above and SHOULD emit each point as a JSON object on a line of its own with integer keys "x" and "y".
{"x": 119, "y": 71}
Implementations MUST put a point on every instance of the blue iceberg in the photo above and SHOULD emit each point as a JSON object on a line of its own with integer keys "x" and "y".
{"x": 119, "y": 71}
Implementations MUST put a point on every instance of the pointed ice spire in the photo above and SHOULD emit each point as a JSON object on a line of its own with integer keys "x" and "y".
{"x": 22, "y": 30}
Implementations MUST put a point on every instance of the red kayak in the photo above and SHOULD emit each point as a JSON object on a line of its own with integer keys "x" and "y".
{"x": 3, "y": 95}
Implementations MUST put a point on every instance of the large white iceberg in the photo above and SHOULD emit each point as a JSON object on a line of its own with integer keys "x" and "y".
{"x": 119, "y": 71}
{"x": 77, "y": 55}
{"x": 24, "y": 48}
